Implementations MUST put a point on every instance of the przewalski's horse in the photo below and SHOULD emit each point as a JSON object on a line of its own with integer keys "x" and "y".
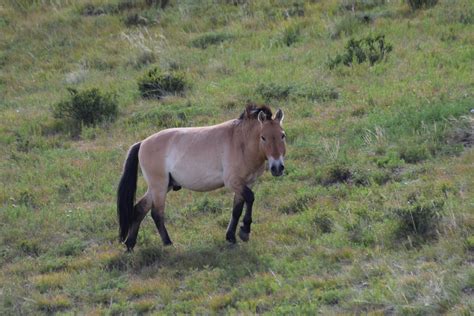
{"x": 230, "y": 154}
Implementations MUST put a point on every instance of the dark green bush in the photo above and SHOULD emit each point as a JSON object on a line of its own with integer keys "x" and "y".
{"x": 369, "y": 49}
{"x": 156, "y": 84}
{"x": 87, "y": 107}
{"x": 213, "y": 38}
{"x": 419, "y": 4}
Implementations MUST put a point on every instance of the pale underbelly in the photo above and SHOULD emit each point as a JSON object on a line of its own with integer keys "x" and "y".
{"x": 198, "y": 180}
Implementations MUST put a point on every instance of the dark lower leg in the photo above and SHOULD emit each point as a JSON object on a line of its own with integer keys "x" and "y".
{"x": 139, "y": 212}
{"x": 245, "y": 228}
{"x": 236, "y": 212}
{"x": 158, "y": 216}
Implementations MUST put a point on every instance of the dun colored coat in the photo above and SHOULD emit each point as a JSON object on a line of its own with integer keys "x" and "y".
{"x": 230, "y": 154}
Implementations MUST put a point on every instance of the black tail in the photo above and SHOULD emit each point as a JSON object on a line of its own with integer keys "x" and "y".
{"x": 126, "y": 191}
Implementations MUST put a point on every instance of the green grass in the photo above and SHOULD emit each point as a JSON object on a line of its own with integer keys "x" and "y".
{"x": 374, "y": 214}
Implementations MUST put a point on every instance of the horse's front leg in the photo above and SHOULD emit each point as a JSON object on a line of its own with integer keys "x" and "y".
{"x": 244, "y": 231}
{"x": 243, "y": 196}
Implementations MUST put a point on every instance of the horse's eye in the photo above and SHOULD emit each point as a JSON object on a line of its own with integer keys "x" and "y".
{"x": 263, "y": 138}
{"x": 283, "y": 136}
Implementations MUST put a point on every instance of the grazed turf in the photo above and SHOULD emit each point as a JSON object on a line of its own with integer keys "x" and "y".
{"x": 375, "y": 212}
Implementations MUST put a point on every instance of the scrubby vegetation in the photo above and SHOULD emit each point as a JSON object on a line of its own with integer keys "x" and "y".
{"x": 369, "y": 49}
{"x": 88, "y": 107}
{"x": 373, "y": 216}
{"x": 157, "y": 84}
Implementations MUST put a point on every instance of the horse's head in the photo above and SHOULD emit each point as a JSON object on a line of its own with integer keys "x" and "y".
{"x": 272, "y": 141}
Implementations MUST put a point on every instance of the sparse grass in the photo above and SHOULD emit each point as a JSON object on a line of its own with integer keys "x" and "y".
{"x": 374, "y": 215}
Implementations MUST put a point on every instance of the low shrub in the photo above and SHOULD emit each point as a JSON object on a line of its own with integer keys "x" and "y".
{"x": 89, "y": 9}
{"x": 354, "y": 5}
{"x": 345, "y": 25}
{"x": 273, "y": 91}
{"x": 419, "y": 219}
{"x": 288, "y": 36}
{"x": 160, "y": 118}
{"x": 333, "y": 173}
{"x": 157, "y": 84}
{"x": 136, "y": 19}
{"x": 87, "y": 107}
{"x": 299, "y": 204}
{"x": 419, "y": 4}
{"x": 206, "y": 205}
{"x": 323, "y": 222}
{"x": 296, "y": 10}
{"x": 208, "y": 39}
{"x": 369, "y": 49}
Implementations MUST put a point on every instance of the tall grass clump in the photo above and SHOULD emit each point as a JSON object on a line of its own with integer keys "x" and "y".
{"x": 87, "y": 107}
{"x": 157, "y": 84}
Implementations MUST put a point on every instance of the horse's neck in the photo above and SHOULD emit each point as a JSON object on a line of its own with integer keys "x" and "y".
{"x": 249, "y": 134}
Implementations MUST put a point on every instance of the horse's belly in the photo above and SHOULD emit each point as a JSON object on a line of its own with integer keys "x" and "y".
{"x": 198, "y": 180}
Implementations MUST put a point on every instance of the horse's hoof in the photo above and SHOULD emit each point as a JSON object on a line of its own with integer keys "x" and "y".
{"x": 231, "y": 239}
{"x": 243, "y": 235}
{"x": 129, "y": 250}
{"x": 168, "y": 243}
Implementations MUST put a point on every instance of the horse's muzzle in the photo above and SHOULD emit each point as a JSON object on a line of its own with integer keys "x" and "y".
{"x": 277, "y": 170}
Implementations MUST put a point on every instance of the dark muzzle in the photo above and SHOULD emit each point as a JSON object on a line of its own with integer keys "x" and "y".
{"x": 277, "y": 170}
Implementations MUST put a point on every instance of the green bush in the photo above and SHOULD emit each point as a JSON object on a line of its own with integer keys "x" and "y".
{"x": 87, "y": 107}
{"x": 369, "y": 49}
{"x": 419, "y": 4}
{"x": 213, "y": 38}
{"x": 155, "y": 84}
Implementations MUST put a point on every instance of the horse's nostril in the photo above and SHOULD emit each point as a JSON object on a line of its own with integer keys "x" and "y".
{"x": 273, "y": 169}
{"x": 282, "y": 167}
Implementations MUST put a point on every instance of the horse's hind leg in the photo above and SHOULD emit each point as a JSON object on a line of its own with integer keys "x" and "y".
{"x": 139, "y": 212}
{"x": 158, "y": 215}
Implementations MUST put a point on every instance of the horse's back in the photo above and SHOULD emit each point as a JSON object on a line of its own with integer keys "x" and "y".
{"x": 193, "y": 156}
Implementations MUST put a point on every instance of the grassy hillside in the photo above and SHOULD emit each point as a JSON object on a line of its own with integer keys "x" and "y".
{"x": 374, "y": 214}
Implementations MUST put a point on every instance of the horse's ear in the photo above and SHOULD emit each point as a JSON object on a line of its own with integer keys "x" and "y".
{"x": 279, "y": 116}
{"x": 262, "y": 116}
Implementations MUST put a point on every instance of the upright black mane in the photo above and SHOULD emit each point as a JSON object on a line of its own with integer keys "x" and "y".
{"x": 252, "y": 110}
